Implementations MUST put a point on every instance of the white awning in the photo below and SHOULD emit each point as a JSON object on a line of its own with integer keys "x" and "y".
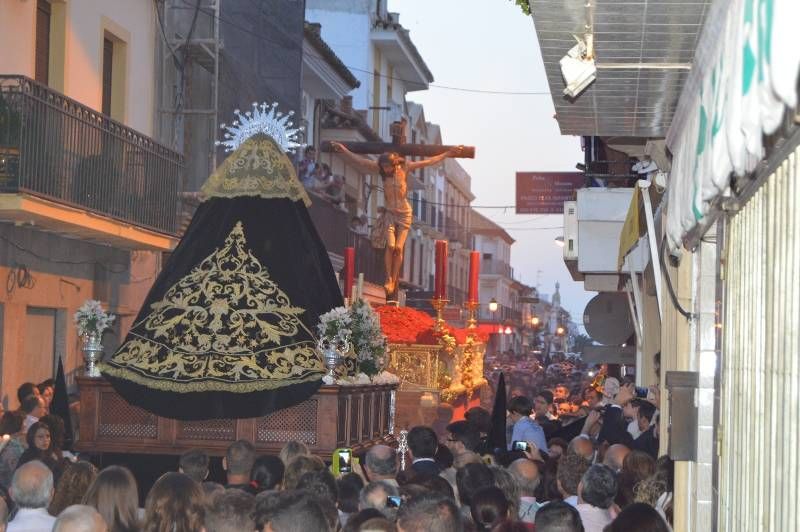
{"x": 743, "y": 77}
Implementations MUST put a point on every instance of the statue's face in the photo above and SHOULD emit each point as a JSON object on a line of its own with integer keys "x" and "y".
{"x": 388, "y": 162}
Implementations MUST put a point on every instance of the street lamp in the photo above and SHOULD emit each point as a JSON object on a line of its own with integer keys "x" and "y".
{"x": 559, "y": 241}
{"x": 493, "y": 305}
{"x": 535, "y": 321}
{"x": 508, "y": 330}
{"x": 560, "y": 331}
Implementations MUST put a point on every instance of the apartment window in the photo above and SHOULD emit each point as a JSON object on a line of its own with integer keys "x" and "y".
{"x": 42, "y": 41}
{"x": 376, "y": 100}
{"x": 108, "y": 69}
{"x": 114, "y": 75}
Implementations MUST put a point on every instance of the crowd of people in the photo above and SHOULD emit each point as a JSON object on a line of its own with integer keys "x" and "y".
{"x": 318, "y": 178}
{"x": 558, "y": 471}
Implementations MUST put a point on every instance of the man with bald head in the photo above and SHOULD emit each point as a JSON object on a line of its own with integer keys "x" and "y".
{"x": 526, "y": 473}
{"x": 80, "y": 518}
{"x": 32, "y": 490}
{"x": 615, "y": 456}
{"x": 381, "y": 464}
{"x": 582, "y": 446}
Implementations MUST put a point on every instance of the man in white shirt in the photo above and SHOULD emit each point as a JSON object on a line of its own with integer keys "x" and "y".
{"x": 596, "y": 493}
{"x": 32, "y": 490}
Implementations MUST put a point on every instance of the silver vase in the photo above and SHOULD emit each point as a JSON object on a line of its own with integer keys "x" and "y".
{"x": 92, "y": 353}
{"x": 332, "y": 351}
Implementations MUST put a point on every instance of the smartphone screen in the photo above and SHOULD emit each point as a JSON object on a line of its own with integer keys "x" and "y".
{"x": 393, "y": 501}
{"x": 345, "y": 457}
{"x": 519, "y": 446}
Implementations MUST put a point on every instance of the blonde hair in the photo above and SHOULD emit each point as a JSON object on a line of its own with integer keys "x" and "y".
{"x": 292, "y": 450}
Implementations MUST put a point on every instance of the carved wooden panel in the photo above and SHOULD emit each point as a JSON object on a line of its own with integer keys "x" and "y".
{"x": 208, "y": 430}
{"x": 118, "y": 419}
{"x": 298, "y": 422}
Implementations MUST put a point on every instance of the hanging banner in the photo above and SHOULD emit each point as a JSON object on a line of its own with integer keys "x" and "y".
{"x": 546, "y": 192}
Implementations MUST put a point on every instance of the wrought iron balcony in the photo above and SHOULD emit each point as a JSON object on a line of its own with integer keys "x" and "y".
{"x": 496, "y": 267}
{"x": 55, "y": 148}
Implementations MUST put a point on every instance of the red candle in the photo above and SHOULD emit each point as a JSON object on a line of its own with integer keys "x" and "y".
{"x": 474, "y": 273}
{"x": 441, "y": 269}
{"x": 437, "y": 274}
{"x": 349, "y": 270}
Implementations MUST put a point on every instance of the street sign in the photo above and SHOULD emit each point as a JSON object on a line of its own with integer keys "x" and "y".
{"x": 546, "y": 192}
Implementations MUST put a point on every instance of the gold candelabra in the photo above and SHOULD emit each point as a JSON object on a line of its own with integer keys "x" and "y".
{"x": 472, "y": 311}
{"x": 438, "y": 305}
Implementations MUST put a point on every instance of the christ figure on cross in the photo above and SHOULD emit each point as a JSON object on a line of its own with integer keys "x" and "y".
{"x": 396, "y": 221}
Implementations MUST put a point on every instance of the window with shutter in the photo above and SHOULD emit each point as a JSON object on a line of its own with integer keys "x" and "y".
{"x": 42, "y": 41}
{"x": 108, "y": 61}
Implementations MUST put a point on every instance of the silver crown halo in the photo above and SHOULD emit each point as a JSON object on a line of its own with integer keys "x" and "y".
{"x": 264, "y": 118}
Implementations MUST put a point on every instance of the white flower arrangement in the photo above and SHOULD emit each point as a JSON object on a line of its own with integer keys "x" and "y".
{"x": 363, "y": 379}
{"x": 384, "y": 377}
{"x": 92, "y": 319}
{"x": 361, "y": 325}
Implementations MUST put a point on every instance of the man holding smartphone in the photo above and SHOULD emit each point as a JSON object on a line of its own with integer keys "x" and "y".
{"x": 525, "y": 429}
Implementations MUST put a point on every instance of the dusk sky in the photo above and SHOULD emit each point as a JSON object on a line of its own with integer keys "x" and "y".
{"x": 490, "y": 45}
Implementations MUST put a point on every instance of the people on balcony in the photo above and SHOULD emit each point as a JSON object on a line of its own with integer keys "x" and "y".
{"x": 358, "y": 224}
{"x": 306, "y": 166}
{"x": 334, "y": 192}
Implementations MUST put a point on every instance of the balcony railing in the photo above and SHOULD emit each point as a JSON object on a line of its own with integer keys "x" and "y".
{"x": 496, "y": 267}
{"x": 456, "y": 232}
{"x": 333, "y": 227}
{"x": 503, "y": 315}
{"x": 56, "y": 148}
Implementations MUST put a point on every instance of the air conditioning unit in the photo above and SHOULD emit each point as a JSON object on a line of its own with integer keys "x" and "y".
{"x": 570, "y": 230}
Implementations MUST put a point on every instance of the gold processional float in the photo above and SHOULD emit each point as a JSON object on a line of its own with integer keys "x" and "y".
{"x": 435, "y": 363}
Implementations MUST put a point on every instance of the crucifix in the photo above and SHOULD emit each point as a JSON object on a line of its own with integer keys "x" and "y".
{"x": 393, "y": 167}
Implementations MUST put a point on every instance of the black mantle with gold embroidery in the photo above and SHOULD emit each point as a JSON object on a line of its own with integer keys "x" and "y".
{"x": 228, "y": 328}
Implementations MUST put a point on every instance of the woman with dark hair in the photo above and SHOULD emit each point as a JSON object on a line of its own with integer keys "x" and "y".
{"x": 72, "y": 486}
{"x": 489, "y": 508}
{"x": 640, "y": 517}
{"x": 57, "y": 436}
{"x": 115, "y": 495}
{"x": 13, "y": 445}
{"x": 175, "y": 504}
{"x": 266, "y": 474}
{"x": 40, "y": 447}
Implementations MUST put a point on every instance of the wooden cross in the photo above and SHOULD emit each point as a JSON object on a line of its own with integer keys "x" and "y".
{"x": 398, "y": 145}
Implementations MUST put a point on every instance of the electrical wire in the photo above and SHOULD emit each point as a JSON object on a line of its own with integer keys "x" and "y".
{"x": 683, "y": 312}
{"x": 32, "y": 253}
{"x": 364, "y": 71}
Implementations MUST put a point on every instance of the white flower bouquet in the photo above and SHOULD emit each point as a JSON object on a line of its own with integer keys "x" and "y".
{"x": 92, "y": 319}
{"x": 361, "y": 325}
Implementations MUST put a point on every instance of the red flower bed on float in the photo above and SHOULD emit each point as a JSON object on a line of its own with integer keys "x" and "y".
{"x": 405, "y": 325}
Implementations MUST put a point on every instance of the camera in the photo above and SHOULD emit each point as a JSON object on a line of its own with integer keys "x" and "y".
{"x": 520, "y": 446}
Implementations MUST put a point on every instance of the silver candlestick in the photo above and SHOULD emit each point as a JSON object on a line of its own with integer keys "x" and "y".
{"x": 402, "y": 448}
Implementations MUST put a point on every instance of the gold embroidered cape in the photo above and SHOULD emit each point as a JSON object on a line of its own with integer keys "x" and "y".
{"x": 227, "y": 330}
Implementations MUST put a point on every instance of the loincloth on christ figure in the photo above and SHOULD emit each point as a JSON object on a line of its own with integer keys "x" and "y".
{"x": 386, "y": 224}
